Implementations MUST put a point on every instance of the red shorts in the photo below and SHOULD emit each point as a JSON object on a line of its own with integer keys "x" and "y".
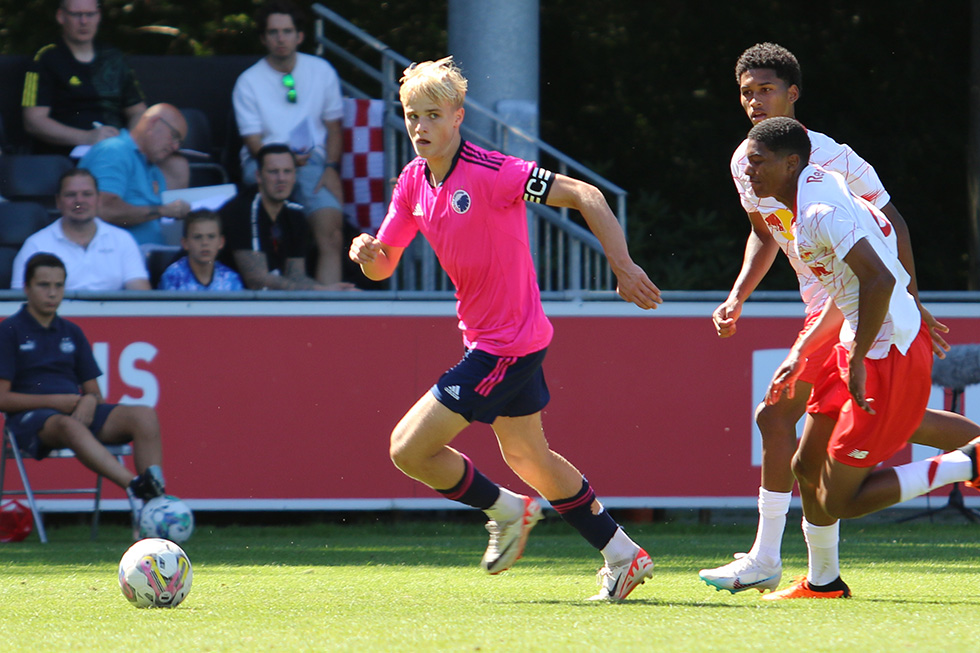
{"x": 823, "y": 362}
{"x": 900, "y": 387}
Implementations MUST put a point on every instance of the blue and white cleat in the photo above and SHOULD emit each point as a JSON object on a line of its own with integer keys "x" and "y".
{"x": 745, "y": 573}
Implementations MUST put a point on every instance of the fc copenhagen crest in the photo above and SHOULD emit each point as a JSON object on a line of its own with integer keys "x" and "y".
{"x": 461, "y": 201}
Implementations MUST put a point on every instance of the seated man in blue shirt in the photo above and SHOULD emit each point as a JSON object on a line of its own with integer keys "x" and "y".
{"x": 130, "y": 179}
{"x": 50, "y": 394}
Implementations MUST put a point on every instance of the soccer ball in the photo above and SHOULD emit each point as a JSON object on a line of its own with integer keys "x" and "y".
{"x": 155, "y": 573}
{"x": 167, "y": 517}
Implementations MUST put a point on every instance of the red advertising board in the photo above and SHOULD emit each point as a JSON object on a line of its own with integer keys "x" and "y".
{"x": 290, "y": 405}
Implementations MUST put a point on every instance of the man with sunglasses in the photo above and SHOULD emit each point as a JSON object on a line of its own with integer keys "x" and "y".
{"x": 79, "y": 91}
{"x": 294, "y": 98}
{"x": 131, "y": 182}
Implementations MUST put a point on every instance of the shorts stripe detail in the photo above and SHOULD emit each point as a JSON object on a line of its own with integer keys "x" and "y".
{"x": 486, "y": 386}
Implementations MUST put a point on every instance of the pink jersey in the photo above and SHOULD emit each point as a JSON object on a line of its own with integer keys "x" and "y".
{"x": 829, "y": 222}
{"x": 829, "y": 154}
{"x": 476, "y": 222}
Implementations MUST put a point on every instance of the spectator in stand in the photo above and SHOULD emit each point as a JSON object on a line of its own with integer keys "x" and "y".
{"x": 98, "y": 256}
{"x": 49, "y": 389}
{"x": 79, "y": 91}
{"x": 266, "y": 232}
{"x": 199, "y": 270}
{"x": 131, "y": 181}
{"x": 294, "y": 98}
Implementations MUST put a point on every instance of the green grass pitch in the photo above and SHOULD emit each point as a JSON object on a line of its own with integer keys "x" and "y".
{"x": 406, "y": 586}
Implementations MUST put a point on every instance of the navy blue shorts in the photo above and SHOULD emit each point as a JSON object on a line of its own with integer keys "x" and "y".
{"x": 483, "y": 387}
{"x": 26, "y": 425}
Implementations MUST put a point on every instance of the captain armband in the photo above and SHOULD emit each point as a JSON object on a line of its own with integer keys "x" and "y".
{"x": 538, "y": 185}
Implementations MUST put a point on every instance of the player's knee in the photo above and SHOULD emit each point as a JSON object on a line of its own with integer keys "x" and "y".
{"x": 838, "y": 507}
{"x": 64, "y": 431}
{"x": 63, "y": 428}
{"x": 775, "y": 425}
{"x": 141, "y": 421}
{"x": 144, "y": 415}
{"x": 401, "y": 455}
{"x": 805, "y": 473}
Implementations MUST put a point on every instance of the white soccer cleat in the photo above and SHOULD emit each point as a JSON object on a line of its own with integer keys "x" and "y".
{"x": 507, "y": 539}
{"x": 615, "y": 583}
{"x": 745, "y": 573}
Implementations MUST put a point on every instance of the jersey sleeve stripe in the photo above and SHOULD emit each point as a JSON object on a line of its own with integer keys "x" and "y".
{"x": 29, "y": 99}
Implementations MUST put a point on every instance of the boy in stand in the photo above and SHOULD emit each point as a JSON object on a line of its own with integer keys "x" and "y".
{"x": 203, "y": 241}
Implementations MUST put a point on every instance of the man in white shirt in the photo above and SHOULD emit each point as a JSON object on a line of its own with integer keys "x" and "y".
{"x": 867, "y": 408}
{"x": 97, "y": 255}
{"x": 294, "y": 98}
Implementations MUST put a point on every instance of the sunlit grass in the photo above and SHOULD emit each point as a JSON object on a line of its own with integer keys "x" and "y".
{"x": 410, "y": 586}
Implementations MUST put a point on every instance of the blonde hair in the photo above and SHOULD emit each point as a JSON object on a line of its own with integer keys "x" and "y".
{"x": 440, "y": 81}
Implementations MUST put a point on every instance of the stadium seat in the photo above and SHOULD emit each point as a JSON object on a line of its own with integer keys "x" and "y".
{"x": 32, "y": 177}
{"x": 10, "y": 450}
{"x": 198, "y": 147}
{"x": 18, "y": 220}
{"x": 7, "y": 255}
{"x": 157, "y": 260}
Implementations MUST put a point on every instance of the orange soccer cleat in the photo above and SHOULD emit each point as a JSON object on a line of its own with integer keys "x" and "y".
{"x": 802, "y": 589}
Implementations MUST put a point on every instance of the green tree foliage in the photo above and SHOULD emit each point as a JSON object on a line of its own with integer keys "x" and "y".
{"x": 645, "y": 93}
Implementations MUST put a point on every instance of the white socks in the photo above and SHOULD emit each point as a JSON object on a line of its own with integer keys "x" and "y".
{"x": 823, "y": 559}
{"x": 773, "y": 507}
{"x": 619, "y": 549}
{"x": 923, "y": 476}
{"x": 508, "y": 506}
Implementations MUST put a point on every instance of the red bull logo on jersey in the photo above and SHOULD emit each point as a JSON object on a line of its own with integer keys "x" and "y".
{"x": 781, "y": 222}
{"x": 817, "y": 268}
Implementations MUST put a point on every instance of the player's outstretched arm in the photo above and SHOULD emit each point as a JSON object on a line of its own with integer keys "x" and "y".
{"x": 760, "y": 252}
{"x": 633, "y": 284}
{"x": 377, "y": 260}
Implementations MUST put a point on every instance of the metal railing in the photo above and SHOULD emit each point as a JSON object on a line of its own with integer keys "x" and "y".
{"x": 568, "y": 257}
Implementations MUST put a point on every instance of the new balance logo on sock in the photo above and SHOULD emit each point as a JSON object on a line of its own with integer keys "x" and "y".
{"x": 452, "y": 391}
{"x": 857, "y": 454}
